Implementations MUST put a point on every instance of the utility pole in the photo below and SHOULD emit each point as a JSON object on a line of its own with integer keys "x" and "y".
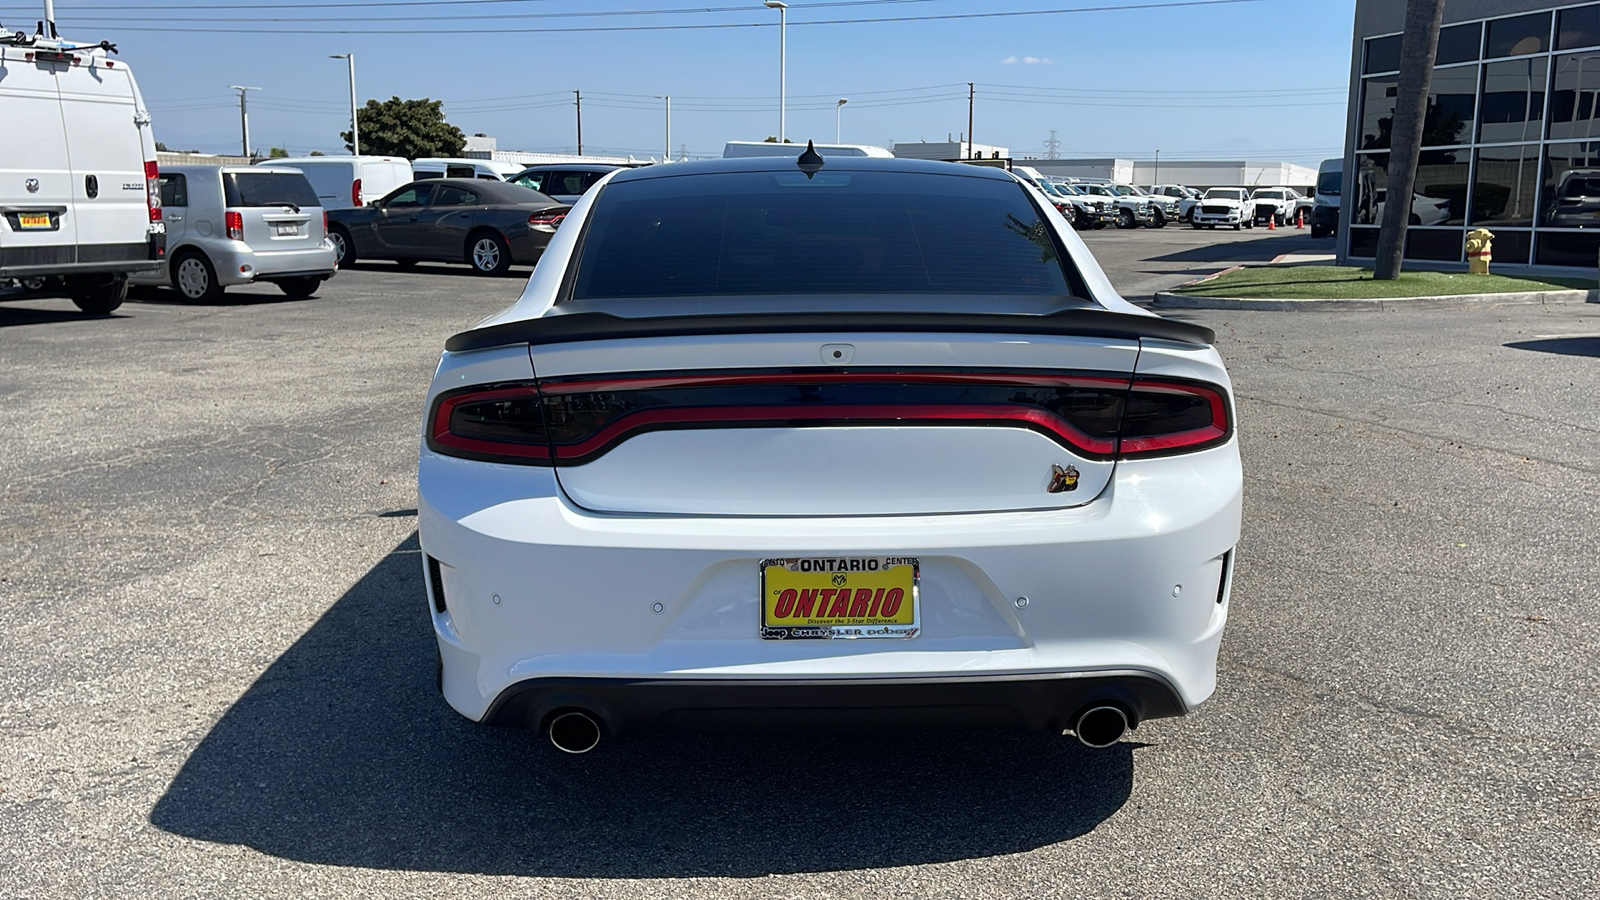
{"x": 838, "y": 113}
{"x": 783, "y": 70}
{"x": 1419, "y": 48}
{"x": 1157, "y": 179}
{"x": 244, "y": 116}
{"x": 971, "y": 92}
{"x": 666, "y": 149}
{"x": 1052, "y": 147}
{"x": 579, "y": 96}
{"x": 355, "y": 130}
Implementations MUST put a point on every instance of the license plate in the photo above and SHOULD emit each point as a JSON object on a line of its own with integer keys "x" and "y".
{"x": 831, "y": 598}
{"x": 33, "y": 220}
{"x": 288, "y": 230}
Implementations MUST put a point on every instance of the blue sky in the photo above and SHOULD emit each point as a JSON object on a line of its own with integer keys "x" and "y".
{"x": 1258, "y": 78}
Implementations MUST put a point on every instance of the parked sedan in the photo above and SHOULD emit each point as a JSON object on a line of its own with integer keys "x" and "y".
{"x": 489, "y": 225}
{"x": 835, "y": 441}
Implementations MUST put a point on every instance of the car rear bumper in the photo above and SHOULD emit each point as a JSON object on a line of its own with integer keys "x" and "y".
{"x": 82, "y": 259}
{"x": 237, "y": 263}
{"x": 525, "y": 587}
{"x": 1038, "y": 702}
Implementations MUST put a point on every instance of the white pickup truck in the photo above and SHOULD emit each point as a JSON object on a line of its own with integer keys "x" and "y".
{"x": 1282, "y": 204}
{"x": 1227, "y": 207}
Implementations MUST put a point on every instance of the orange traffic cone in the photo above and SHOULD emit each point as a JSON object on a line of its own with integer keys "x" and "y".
{"x": 1300, "y": 219}
{"x": 1272, "y": 222}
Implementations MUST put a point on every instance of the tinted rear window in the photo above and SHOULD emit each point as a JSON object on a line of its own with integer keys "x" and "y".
{"x": 840, "y": 233}
{"x": 245, "y": 189}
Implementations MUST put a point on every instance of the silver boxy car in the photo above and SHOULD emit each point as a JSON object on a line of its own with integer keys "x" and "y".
{"x": 232, "y": 225}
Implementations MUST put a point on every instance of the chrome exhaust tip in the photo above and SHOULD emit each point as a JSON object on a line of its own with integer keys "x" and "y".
{"x": 574, "y": 732}
{"x": 1101, "y": 726}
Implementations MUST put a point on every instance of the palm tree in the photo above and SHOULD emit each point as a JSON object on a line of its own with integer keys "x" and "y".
{"x": 1419, "y": 47}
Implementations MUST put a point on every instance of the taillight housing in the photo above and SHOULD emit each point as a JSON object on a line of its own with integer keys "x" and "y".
{"x": 549, "y": 218}
{"x": 500, "y": 423}
{"x": 324, "y": 221}
{"x": 1167, "y": 417}
{"x": 1095, "y": 416}
{"x": 235, "y": 224}
{"x": 152, "y": 189}
{"x": 355, "y": 193}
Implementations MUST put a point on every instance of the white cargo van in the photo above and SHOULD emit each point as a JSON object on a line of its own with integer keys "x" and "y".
{"x": 1325, "y": 203}
{"x": 346, "y": 182}
{"x": 79, "y": 208}
{"x": 450, "y": 167}
{"x": 739, "y": 149}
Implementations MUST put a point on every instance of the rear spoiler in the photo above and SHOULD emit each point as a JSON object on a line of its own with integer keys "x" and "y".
{"x": 605, "y": 327}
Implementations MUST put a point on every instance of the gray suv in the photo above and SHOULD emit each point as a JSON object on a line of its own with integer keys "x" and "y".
{"x": 565, "y": 182}
{"x": 232, "y": 225}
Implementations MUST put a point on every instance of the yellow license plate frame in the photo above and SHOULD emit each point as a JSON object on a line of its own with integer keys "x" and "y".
{"x": 34, "y": 222}
{"x": 841, "y": 598}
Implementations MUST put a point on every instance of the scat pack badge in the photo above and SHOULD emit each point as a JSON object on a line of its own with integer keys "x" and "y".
{"x": 1063, "y": 480}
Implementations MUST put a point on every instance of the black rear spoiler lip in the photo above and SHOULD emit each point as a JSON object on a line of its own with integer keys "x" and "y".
{"x": 580, "y": 327}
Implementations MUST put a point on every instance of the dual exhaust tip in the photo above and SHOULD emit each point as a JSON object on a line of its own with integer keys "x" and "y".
{"x": 578, "y": 731}
{"x": 1101, "y": 726}
{"x": 574, "y": 731}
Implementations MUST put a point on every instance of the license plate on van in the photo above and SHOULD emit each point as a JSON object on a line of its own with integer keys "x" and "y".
{"x": 288, "y": 230}
{"x": 31, "y": 221}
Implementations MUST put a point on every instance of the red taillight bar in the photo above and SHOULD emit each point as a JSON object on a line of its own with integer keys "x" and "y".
{"x": 355, "y": 193}
{"x": 552, "y": 218}
{"x": 1218, "y": 431}
{"x": 233, "y": 220}
{"x": 440, "y": 434}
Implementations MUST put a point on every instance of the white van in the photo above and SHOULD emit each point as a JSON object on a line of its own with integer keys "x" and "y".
{"x": 736, "y": 149}
{"x": 346, "y": 182}
{"x": 448, "y": 167}
{"x": 1325, "y": 203}
{"x": 79, "y": 207}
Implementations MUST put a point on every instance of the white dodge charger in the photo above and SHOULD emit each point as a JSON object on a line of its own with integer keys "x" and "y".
{"x": 826, "y": 443}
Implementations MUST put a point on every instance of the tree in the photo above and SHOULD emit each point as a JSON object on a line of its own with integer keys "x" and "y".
{"x": 1419, "y": 47}
{"x": 408, "y": 128}
{"x": 162, "y": 147}
{"x": 278, "y": 153}
{"x": 318, "y": 153}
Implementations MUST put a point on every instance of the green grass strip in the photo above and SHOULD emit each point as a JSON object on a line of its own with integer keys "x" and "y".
{"x": 1350, "y": 283}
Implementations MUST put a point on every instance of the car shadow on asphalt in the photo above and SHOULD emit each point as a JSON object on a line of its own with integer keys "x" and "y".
{"x": 1265, "y": 249}
{"x": 22, "y": 315}
{"x": 343, "y": 753}
{"x": 1577, "y": 345}
{"x": 161, "y": 296}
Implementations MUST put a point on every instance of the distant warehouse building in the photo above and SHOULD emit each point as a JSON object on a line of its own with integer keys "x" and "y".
{"x": 1512, "y": 136}
{"x": 1194, "y": 173}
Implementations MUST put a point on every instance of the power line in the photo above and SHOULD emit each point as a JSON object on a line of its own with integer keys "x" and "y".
{"x": 498, "y": 17}
{"x": 1172, "y": 4}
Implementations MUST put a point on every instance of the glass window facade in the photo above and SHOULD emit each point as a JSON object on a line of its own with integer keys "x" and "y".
{"x": 1511, "y": 141}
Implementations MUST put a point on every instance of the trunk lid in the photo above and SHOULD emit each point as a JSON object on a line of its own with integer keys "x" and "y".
{"x": 834, "y": 424}
{"x": 279, "y": 209}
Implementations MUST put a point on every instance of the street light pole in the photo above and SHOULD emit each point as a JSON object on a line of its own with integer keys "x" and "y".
{"x": 666, "y": 148}
{"x": 783, "y": 71}
{"x": 355, "y": 133}
{"x": 837, "y": 114}
{"x": 244, "y": 116}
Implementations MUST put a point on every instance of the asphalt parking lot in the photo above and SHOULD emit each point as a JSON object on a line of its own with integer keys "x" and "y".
{"x": 216, "y": 673}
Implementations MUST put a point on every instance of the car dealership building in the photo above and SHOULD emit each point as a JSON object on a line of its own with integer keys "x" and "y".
{"x": 1512, "y": 136}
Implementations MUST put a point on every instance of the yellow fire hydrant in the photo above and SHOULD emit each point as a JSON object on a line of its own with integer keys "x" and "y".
{"x": 1478, "y": 251}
